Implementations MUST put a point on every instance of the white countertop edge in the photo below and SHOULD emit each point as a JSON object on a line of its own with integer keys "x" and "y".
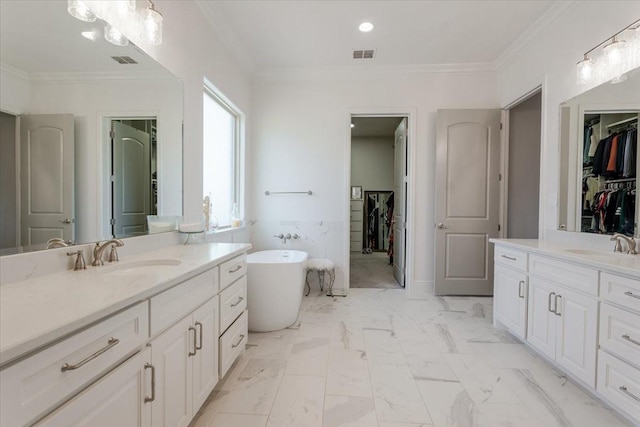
{"x": 17, "y": 350}
{"x": 558, "y": 250}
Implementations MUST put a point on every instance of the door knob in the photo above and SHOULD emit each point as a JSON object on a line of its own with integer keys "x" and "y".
{"x": 66, "y": 221}
{"x": 441, "y": 226}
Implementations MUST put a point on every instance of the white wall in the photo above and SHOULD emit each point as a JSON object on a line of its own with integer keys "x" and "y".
{"x": 550, "y": 58}
{"x": 300, "y": 136}
{"x": 372, "y": 163}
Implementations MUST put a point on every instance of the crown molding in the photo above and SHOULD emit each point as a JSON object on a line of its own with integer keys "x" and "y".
{"x": 373, "y": 71}
{"x": 556, "y": 10}
{"x": 97, "y": 76}
{"x": 12, "y": 71}
{"x": 215, "y": 17}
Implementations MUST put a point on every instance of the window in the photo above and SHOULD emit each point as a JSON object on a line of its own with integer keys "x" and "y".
{"x": 221, "y": 156}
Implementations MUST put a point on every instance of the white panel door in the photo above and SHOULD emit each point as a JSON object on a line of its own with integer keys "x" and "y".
{"x": 118, "y": 399}
{"x": 400, "y": 202}
{"x": 46, "y": 178}
{"x": 170, "y": 355}
{"x": 510, "y": 303}
{"x": 541, "y": 321}
{"x": 576, "y": 342}
{"x": 467, "y": 167}
{"x": 131, "y": 180}
{"x": 205, "y": 361}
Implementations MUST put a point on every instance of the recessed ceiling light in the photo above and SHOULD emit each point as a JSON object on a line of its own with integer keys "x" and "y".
{"x": 352, "y": 125}
{"x": 365, "y": 27}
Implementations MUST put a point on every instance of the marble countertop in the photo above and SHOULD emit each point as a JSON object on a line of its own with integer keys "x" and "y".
{"x": 614, "y": 262}
{"x": 41, "y": 310}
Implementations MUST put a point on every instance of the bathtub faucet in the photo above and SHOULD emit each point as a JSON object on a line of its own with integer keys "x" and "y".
{"x": 286, "y": 237}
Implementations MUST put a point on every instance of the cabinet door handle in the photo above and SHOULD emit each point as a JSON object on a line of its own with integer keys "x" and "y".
{"x": 238, "y": 268}
{"x": 632, "y": 295}
{"x": 558, "y": 313}
{"x": 153, "y": 383}
{"x": 199, "y": 347}
{"x": 549, "y": 304}
{"x": 240, "y": 299}
{"x": 628, "y": 393}
{"x": 509, "y": 257}
{"x": 521, "y": 289}
{"x": 628, "y": 338}
{"x": 111, "y": 343}
{"x": 238, "y": 343}
{"x": 195, "y": 348}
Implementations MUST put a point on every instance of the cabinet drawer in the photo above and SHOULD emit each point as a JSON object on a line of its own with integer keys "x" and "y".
{"x": 620, "y": 332}
{"x": 356, "y": 226}
{"x": 356, "y": 236}
{"x": 355, "y": 216}
{"x": 355, "y": 205}
{"x": 175, "y": 303}
{"x": 232, "y": 270}
{"x": 620, "y": 383}
{"x": 355, "y": 246}
{"x": 38, "y": 383}
{"x": 571, "y": 275}
{"x": 620, "y": 290}
{"x": 233, "y": 301}
{"x": 511, "y": 257}
{"x": 232, "y": 343}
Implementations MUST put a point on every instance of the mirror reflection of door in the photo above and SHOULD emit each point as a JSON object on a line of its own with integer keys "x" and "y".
{"x": 378, "y": 207}
{"x": 134, "y": 175}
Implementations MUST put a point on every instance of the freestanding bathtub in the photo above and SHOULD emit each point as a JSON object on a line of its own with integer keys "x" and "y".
{"x": 274, "y": 290}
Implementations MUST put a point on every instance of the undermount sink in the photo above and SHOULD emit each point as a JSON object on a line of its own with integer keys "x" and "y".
{"x": 130, "y": 266}
{"x": 602, "y": 255}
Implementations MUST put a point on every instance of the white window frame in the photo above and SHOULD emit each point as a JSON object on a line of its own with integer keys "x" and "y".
{"x": 238, "y": 145}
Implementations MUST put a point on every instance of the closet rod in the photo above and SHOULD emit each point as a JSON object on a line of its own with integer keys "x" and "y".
{"x": 622, "y": 122}
{"x": 613, "y": 181}
{"x": 268, "y": 193}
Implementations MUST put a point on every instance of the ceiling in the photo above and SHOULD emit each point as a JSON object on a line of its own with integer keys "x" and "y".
{"x": 374, "y": 127}
{"x": 272, "y": 35}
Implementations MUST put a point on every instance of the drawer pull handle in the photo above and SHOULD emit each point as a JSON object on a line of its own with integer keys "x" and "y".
{"x": 628, "y": 338}
{"x": 557, "y": 306}
{"x": 240, "y": 299}
{"x": 238, "y": 268}
{"x": 238, "y": 343}
{"x": 549, "y": 303}
{"x": 195, "y": 347}
{"x": 632, "y": 295}
{"x": 509, "y": 257}
{"x": 111, "y": 343}
{"x": 199, "y": 346}
{"x": 628, "y": 393}
{"x": 153, "y": 383}
{"x": 520, "y": 289}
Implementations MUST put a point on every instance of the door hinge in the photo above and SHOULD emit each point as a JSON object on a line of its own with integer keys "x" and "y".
{"x": 500, "y": 126}
{"x": 499, "y": 228}
{"x": 499, "y": 177}
{"x": 112, "y": 221}
{"x": 112, "y": 134}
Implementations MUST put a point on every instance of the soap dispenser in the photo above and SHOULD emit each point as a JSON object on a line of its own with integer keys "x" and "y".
{"x": 235, "y": 216}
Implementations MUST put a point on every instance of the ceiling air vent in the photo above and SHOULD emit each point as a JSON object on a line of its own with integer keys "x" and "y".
{"x": 124, "y": 60}
{"x": 363, "y": 53}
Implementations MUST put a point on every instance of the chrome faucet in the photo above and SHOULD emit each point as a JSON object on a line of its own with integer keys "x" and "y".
{"x": 631, "y": 243}
{"x": 98, "y": 250}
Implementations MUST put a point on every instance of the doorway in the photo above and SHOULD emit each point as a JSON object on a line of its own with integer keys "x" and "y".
{"x": 134, "y": 183}
{"x": 378, "y": 202}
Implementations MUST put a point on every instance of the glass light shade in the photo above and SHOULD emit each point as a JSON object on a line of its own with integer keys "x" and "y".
{"x": 79, "y": 10}
{"x": 113, "y": 36}
{"x": 152, "y": 20}
{"x": 125, "y": 6}
{"x": 585, "y": 70}
{"x": 614, "y": 52}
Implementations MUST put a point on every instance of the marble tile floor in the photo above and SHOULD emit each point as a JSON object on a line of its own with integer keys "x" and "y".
{"x": 380, "y": 359}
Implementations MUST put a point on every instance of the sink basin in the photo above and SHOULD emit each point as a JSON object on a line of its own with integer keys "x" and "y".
{"x": 135, "y": 265}
{"x": 589, "y": 252}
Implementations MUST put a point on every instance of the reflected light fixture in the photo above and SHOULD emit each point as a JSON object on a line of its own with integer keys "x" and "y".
{"x": 125, "y": 6}
{"x": 365, "y": 27}
{"x": 79, "y": 10}
{"x": 152, "y": 24}
{"x": 114, "y": 36}
{"x": 91, "y": 35}
{"x": 618, "y": 54}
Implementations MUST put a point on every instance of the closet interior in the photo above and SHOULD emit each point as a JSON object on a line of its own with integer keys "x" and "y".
{"x": 609, "y": 173}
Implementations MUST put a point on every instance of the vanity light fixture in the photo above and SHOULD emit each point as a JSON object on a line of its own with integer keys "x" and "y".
{"x": 152, "y": 23}
{"x": 114, "y": 36}
{"x": 79, "y": 10}
{"x": 125, "y": 7}
{"x": 365, "y": 27}
{"x": 620, "y": 53}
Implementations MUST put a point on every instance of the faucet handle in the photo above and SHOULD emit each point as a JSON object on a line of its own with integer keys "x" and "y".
{"x": 79, "y": 264}
{"x": 632, "y": 246}
{"x": 113, "y": 254}
{"x": 295, "y": 236}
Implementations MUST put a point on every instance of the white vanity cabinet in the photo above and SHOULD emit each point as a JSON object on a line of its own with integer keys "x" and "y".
{"x": 122, "y": 398}
{"x": 510, "y": 288}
